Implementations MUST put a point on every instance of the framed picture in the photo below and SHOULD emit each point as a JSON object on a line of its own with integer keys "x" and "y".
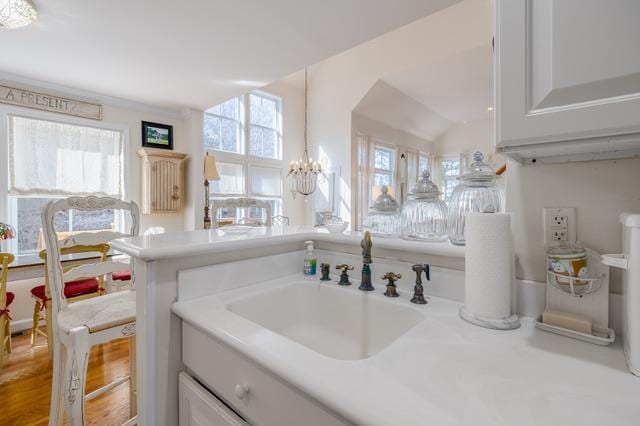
{"x": 155, "y": 135}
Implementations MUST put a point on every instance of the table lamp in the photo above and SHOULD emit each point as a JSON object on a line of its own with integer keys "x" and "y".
{"x": 6, "y": 233}
{"x": 210, "y": 173}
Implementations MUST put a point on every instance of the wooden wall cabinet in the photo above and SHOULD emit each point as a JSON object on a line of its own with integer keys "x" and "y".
{"x": 162, "y": 180}
{"x": 567, "y": 79}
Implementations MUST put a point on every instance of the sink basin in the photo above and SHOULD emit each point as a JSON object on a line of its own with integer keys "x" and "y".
{"x": 341, "y": 323}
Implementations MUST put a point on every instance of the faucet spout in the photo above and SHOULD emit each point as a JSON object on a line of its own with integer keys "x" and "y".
{"x": 365, "y": 284}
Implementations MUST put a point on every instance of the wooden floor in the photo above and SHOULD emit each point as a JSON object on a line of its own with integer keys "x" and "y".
{"x": 25, "y": 384}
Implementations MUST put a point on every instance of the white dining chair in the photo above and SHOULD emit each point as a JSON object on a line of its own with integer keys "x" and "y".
{"x": 79, "y": 326}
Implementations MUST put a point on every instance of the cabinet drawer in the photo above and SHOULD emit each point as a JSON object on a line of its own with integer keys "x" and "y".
{"x": 198, "y": 407}
{"x": 254, "y": 393}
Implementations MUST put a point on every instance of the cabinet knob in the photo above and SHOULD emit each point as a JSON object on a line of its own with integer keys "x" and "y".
{"x": 175, "y": 197}
{"x": 241, "y": 391}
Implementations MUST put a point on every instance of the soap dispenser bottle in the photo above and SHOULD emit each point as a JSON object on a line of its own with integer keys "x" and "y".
{"x": 310, "y": 259}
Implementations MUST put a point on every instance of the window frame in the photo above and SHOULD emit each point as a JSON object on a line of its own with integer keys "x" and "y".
{"x": 443, "y": 177}
{"x": 374, "y": 171}
{"x": 247, "y": 160}
{"x": 8, "y": 203}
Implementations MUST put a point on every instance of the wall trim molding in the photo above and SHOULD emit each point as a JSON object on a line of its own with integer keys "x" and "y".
{"x": 85, "y": 95}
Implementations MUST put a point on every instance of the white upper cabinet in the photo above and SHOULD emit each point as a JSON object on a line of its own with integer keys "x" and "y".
{"x": 567, "y": 79}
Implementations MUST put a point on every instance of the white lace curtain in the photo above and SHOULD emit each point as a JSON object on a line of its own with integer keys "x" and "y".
{"x": 48, "y": 158}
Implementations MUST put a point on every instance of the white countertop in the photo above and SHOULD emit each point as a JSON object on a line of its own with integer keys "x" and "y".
{"x": 190, "y": 243}
{"x": 443, "y": 371}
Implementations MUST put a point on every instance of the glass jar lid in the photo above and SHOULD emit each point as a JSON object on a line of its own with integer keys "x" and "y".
{"x": 424, "y": 187}
{"x": 479, "y": 170}
{"x": 385, "y": 202}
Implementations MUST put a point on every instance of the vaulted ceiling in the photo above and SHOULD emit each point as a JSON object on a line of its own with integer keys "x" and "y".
{"x": 193, "y": 53}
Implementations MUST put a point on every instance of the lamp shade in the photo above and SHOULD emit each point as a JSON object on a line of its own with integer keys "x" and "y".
{"x": 210, "y": 169}
{"x": 6, "y": 231}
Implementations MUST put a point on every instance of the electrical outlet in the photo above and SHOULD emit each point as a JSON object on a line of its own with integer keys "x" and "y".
{"x": 559, "y": 224}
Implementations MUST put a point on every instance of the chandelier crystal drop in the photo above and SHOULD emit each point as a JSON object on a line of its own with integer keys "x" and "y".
{"x": 16, "y": 13}
{"x": 303, "y": 173}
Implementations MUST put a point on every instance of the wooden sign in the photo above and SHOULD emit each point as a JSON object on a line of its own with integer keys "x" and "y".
{"x": 52, "y": 103}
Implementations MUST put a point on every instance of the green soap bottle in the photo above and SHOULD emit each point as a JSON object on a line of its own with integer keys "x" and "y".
{"x": 310, "y": 260}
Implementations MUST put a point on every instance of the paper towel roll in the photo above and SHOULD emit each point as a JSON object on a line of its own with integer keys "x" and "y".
{"x": 489, "y": 271}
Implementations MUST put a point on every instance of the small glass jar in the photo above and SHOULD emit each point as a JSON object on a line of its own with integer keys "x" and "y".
{"x": 383, "y": 219}
{"x": 424, "y": 214}
{"x": 477, "y": 193}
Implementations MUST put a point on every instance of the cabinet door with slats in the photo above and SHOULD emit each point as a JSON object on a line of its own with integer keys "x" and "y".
{"x": 164, "y": 186}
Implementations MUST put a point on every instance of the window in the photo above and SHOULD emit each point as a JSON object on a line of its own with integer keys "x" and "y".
{"x": 50, "y": 159}
{"x": 223, "y": 127}
{"x": 450, "y": 170}
{"x": 383, "y": 169}
{"x": 423, "y": 163}
{"x": 249, "y": 160}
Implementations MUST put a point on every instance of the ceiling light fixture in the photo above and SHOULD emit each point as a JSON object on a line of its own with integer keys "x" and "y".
{"x": 303, "y": 173}
{"x": 16, "y": 13}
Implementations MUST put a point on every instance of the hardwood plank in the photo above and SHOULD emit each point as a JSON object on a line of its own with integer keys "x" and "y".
{"x": 25, "y": 384}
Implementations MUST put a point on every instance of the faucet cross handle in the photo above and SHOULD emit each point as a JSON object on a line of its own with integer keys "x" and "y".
{"x": 344, "y": 267}
{"x": 344, "y": 276}
{"x": 391, "y": 285}
{"x": 392, "y": 277}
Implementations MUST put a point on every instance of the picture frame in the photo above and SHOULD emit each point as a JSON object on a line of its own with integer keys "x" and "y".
{"x": 156, "y": 135}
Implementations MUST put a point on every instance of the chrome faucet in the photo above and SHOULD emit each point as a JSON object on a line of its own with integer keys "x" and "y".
{"x": 365, "y": 284}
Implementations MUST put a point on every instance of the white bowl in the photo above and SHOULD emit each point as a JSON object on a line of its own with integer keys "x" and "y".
{"x": 336, "y": 228}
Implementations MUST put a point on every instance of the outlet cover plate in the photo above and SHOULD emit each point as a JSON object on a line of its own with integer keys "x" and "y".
{"x": 556, "y": 221}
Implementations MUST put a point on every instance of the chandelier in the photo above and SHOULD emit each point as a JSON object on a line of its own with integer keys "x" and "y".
{"x": 303, "y": 173}
{"x": 16, "y": 13}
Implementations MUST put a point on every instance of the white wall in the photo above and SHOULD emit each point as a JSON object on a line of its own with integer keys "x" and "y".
{"x": 339, "y": 83}
{"x": 600, "y": 191}
{"x": 388, "y": 134}
{"x": 466, "y": 137}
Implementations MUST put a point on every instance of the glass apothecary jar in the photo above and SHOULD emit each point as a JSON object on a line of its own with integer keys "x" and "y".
{"x": 476, "y": 193}
{"x": 383, "y": 219}
{"x": 424, "y": 214}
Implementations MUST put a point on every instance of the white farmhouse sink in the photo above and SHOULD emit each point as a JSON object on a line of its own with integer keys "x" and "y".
{"x": 341, "y": 323}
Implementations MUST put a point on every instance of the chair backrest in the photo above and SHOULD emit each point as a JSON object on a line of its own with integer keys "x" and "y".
{"x": 5, "y": 260}
{"x": 240, "y": 203}
{"x": 100, "y": 250}
{"x": 279, "y": 220}
{"x": 55, "y": 247}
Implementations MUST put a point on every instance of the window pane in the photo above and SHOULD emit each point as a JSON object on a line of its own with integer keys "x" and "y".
{"x": 451, "y": 167}
{"x": 424, "y": 163}
{"x": 380, "y": 179}
{"x": 447, "y": 188}
{"x": 264, "y": 111}
{"x": 266, "y": 181}
{"x": 231, "y": 179}
{"x": 229, "y": 136}
{"x": 229, "y": 109}
{"x": 383, "y": 159}
{"x": 29, "y": 223}
{"x": 212, "y": 134}
{"x": 264, "y": 143}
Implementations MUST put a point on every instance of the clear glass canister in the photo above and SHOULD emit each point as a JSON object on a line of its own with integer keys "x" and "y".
{"x": 477, "y": 193}
{"x": 424, "y": 214}
{"x": 383, "y": 219}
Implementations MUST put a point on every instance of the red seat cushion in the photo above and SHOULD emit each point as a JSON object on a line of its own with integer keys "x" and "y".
{"x": 71, "y": 289}
{"x": 121, "y": 276}
{"x": 10, "y": 297}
